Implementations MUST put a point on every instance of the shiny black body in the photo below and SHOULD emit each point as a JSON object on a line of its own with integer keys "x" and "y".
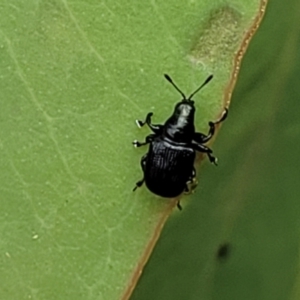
{"x": 168, "y": 167}
{"x": 169, "y": 164}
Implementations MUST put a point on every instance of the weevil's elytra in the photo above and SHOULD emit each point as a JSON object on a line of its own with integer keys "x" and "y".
{"x": 168, "y": 166}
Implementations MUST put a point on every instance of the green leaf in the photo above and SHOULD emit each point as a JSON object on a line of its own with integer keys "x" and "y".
{"x": 74, "y": 77}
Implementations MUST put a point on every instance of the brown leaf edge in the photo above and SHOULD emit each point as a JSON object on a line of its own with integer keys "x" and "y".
{"x": 227, "y": 97}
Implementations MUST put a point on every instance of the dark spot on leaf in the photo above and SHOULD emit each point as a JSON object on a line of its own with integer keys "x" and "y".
{"x": 223, "y": 251}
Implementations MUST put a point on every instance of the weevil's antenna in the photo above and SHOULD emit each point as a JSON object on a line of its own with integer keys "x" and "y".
{"x": 175, "y": 86}
{"x": 209, "y": 78}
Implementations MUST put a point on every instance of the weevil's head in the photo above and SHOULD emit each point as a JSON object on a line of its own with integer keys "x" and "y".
{"x": 185, "y": 109}
{"x": 180, "y": 126}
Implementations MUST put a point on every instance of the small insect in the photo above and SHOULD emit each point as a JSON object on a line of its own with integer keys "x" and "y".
{"x": 168, "y": 166}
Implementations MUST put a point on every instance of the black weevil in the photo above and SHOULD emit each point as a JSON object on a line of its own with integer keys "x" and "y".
{"x": 169, "y": 164}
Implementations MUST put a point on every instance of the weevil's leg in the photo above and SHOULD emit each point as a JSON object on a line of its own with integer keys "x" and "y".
{"x": 149, "y": 139}
{"x": 208, "y": 151}
{"x": 156, "y": 128}
{"x": 192, "y": 177}
{"x": 140, "y": 123}
{"x": 202, "y": 138}
{"x": 140, "y": 182}
{"x": 191, "y": 183}
{"x": 187, "y": 189}
{"x": 178, "y": 205}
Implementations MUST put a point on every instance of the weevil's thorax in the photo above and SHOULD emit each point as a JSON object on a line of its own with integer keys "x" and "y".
{"x": 180, "y": 126}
